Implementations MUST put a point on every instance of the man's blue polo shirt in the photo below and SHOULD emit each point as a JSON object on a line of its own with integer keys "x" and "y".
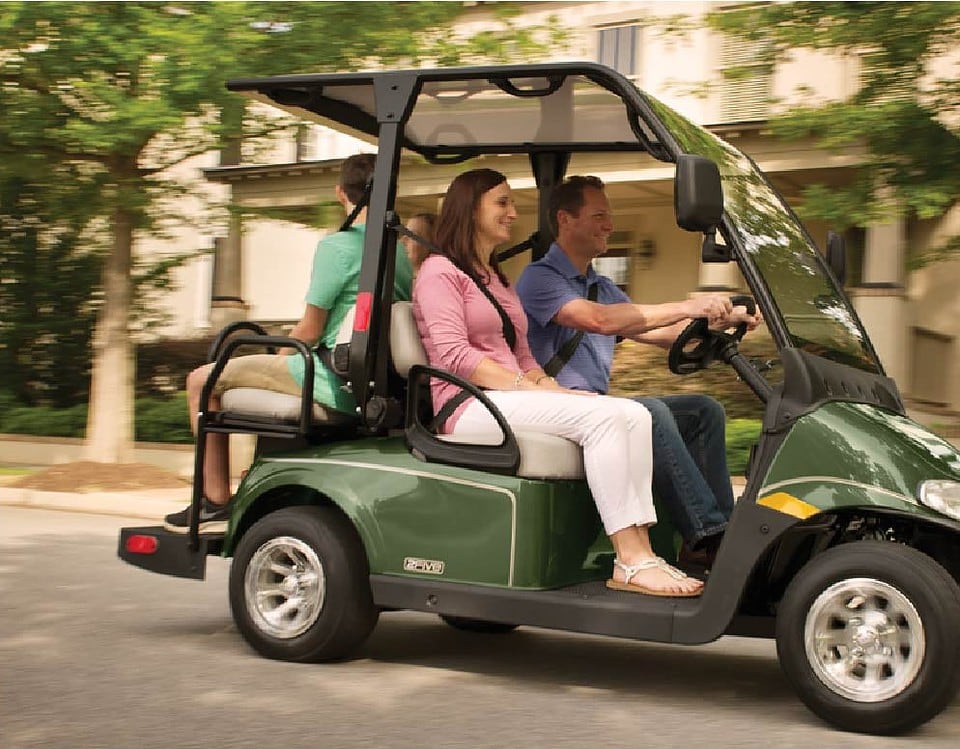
{"x": 544, "y": 287}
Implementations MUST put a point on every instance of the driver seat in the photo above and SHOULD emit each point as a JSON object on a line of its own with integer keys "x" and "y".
{"x": 542, "y": 456}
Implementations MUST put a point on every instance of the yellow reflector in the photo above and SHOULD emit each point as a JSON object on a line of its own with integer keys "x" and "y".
{"x": 789, "y": 505}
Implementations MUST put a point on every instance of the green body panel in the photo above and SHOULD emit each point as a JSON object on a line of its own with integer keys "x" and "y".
{"x": 851, "y": 454}
{"x": 484, "y": 528}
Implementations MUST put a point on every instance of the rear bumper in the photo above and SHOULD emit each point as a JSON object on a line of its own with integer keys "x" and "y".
{"x": 158, "y": 550}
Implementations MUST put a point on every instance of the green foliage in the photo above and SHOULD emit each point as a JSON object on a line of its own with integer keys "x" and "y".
{"x": 48, "y": 264}
{"x": 163, "y": 419}
{"x": 742, "y": 435}
{"x": 904, "y": 115}
{"x": 44, "y": 421}
{"x": 157, "y": 419}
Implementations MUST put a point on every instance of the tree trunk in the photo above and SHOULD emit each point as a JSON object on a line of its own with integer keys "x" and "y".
{"x": 110, "y": 417}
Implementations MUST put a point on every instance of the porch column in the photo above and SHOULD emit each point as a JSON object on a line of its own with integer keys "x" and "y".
{"x": 227, "y": 306}
{"x": 226, "y": 300}
{"x": 718, "y": 278}
{"x": 880, "y": 298}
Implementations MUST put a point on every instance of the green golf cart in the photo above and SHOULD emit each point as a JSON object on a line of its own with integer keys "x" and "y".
{"x": 844, "y": 546}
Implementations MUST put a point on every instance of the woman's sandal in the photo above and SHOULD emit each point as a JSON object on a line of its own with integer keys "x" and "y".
{"x": 631, "y": 570}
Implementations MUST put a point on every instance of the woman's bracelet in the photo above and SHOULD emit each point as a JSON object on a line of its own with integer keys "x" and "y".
{"x": 516, "y": 382}
{"x": 542, "y": 378}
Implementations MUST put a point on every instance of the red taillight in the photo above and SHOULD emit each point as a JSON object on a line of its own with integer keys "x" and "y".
{"x": 141, "y": 544}
{"x": 361, "y": 318}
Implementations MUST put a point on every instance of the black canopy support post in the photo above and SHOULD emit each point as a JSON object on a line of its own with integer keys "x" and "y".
{"x": 395, "y": 95}
{"x": 549, "y": 169}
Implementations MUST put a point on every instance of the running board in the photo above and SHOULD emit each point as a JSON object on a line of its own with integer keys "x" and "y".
{"x": 590, "y": 608}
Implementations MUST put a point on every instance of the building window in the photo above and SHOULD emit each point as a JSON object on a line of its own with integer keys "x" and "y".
{"x": 617, "y": 48}
{"x": 746, "y": 83}
{"x": 626, "y": 252}
{"x": 932, "y": 361}
{"x": 615, "y": 264}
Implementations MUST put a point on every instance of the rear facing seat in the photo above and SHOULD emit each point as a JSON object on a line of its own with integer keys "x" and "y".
{"x": 269, "y": 404}
{"x": 542, "y": 456}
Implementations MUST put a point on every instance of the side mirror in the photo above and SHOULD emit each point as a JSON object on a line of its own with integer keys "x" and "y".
{"x": 697, "y": 194}
{"x": 837, "y": 256}
{"x": 698, "y": 203}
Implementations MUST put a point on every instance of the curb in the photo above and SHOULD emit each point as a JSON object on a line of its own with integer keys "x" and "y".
{"x": 149, "y": 505}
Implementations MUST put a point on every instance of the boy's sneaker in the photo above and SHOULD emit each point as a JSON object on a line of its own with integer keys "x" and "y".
{"x": 213, "y": 518}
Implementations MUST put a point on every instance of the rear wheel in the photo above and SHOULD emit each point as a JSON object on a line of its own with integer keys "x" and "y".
{"x": 299, "y": 586}
{"x": 865, "y": 634}
{"x": 478, "y": 625}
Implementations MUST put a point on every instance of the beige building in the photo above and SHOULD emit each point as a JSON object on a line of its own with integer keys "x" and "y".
{"x": 262, "y": 265}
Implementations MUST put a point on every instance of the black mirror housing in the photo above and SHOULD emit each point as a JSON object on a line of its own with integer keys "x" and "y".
{"x": 697, "y": 194}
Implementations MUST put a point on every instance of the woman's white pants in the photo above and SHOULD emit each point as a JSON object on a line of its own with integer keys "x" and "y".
{"x": 615, "y": 434}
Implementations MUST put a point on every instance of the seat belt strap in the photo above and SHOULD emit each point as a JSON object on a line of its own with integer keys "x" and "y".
{"x": 560, "y": 359}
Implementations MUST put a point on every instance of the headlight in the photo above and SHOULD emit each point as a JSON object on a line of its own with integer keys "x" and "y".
{"x": 942, "y": 496}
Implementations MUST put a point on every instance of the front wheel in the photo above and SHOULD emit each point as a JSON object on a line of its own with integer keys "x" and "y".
{"x": 866, "y": 636}
{"x": 299, "y": 586}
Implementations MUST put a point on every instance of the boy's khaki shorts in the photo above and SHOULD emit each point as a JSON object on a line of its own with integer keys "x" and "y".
{"x": 261, "y": 371}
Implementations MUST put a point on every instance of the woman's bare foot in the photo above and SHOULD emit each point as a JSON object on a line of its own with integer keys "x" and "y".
{"x": 653, "y": 576}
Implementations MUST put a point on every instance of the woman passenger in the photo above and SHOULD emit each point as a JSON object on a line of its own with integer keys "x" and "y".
{"x": 463, "y": 333}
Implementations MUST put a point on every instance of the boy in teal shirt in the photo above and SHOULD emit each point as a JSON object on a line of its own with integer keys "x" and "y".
{"x": 331, "y": 295}
{"x": 333, "y": 288}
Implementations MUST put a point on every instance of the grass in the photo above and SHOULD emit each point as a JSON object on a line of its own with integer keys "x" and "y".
{"x": 16, "y": 470}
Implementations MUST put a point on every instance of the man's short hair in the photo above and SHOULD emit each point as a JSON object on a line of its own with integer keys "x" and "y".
{"x": 568, "y": 196}
{"x": 355, "y": 172}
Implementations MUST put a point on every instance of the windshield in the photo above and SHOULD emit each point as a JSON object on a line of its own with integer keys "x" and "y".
{"x": 817, "y": 315}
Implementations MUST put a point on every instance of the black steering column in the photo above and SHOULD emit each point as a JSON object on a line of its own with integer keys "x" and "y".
{"x": 697, "y": 347}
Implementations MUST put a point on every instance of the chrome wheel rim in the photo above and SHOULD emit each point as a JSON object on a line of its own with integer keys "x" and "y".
{"x": 864, "y": 639}
{"x": 285, "y": 587}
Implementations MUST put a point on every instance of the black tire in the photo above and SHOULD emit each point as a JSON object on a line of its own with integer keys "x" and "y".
{"x": 851, "y": 604}
{"x": 322, "y": 608}
{"x": 478, "y": 625}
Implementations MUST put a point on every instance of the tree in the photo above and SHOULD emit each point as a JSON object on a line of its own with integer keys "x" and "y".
{"x": 48, "y": 267}
{"x": 119, "y": 93}
{"x": 905, "y": 116}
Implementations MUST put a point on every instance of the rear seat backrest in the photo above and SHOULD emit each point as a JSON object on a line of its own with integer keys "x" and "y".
{"x": 406, "y": 348}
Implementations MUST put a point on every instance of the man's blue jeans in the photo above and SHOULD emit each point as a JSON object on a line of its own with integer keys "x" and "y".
{"x": 690, "y": 473}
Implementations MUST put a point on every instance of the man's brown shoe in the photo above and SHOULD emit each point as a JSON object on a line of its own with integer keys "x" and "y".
{"x": 702, "y": 558}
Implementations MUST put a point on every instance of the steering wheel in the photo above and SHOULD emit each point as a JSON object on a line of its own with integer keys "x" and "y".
{"x": 697, "y": 346}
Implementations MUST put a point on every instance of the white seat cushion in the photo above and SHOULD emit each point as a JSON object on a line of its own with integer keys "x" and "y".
{"x": 273, "y": 405}
{"x": 542, "y": 456}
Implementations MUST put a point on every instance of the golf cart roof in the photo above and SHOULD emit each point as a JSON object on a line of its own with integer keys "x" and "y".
{"x": 453, "y": 114}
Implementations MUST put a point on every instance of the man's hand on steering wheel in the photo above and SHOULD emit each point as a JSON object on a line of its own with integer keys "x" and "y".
{"x": 705, "y": 338}
{"x": 714, "y": 308}
{"x": 739, "y": 314}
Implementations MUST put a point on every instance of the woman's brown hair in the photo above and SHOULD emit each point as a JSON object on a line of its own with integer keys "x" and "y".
{"x": 456, "y": 233}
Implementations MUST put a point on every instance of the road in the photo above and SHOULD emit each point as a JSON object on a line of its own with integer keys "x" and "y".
{"x": 95, "y": 653}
